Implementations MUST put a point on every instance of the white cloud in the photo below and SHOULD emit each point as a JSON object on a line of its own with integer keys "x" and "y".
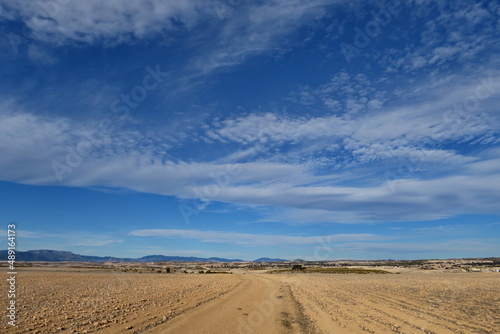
{"x": 254, "y": 28}
{"x": 252, "y": 239}
{"x": 30, "y": 144}
{"x": 408, "y": 131}
{"x": 39, "y": 54}
{"x": 28, "y": 141}
{"x": 447, "y": 230}
{"x": 463, "y": 247}
{"x": 410, "y": 199}
{"x": 160, "y": 250}
{"x": 92, "y": 21}
{"x": 454, "y": 33}
{"x": 65, "y": 239}
{"x": 310, "y": 216}
{"x": 237, "y": 29}
{"x": 97, "y": 243}
{"x": 413, "y": 130}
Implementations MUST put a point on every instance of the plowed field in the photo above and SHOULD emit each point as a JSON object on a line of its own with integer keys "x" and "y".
{"x": 69, "y": 301}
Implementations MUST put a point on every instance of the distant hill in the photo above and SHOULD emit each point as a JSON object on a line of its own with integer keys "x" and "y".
{"x": 59, "y": 256}
{"x": 45, "y": 255}
{"x": 266, "y": 259}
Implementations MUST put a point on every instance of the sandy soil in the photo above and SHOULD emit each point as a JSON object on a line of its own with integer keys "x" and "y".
{"x": 259, "y": 305}
{"x": 68, "y": 301}
{"x": 424, "y": 302}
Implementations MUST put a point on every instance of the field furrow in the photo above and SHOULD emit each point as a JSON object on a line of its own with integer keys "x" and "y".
{"x": 69, "y": 300}
{"x": 426, "y": 303}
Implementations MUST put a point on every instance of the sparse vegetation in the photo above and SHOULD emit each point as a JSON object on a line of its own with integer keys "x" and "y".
{"x": 217, "y": 272}
{"x": 330, "y": 271}
{"x": 447, "y": 301}
{"x": 285, "y": 321}
{"x": 111, "y": 301}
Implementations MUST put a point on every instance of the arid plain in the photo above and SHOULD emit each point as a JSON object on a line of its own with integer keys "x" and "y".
{"x": 86, "y": 300}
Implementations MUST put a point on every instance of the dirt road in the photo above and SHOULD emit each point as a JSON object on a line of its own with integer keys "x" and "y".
{"x": 316, "y": 303}
{"x": 258, "y": 305}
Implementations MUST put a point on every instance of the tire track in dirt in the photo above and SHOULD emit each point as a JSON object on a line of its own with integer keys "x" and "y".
{"x": 455, "y": 325}
{"x": 258, "y": 305}
{"x": 376, "y": 311}
{"x": 378, "y": 305}
{"x": 338, "y": 320}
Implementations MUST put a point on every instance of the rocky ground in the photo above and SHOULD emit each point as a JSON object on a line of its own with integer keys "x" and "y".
{"x": 68, "y": 301}
{"x": 423, "y": 302}
{"x": 65, "y": 300}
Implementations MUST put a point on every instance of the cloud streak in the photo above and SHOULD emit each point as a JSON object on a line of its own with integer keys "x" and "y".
{"x": 251, "y": 239}
{"x": 93, "y": 21}
{"x": 365, "y": 146}
{"x": 396, "y": 135}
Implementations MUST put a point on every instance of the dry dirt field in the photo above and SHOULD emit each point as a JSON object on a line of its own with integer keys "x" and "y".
{"x": 71, "y": 301}
{"x": 422, "y": 302}
{"x": 68, "y": 301}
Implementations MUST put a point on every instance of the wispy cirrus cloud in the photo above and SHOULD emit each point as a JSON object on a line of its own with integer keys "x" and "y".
{"x": 67, "y": 239}
{"x": 251, "y": 239}
{"x": 92, "y": 21}
{"x": 259, "y": 118}
{"x": 256, "y": 28}
{"x": 360, "y": 123}
{"x": 443, "y": 41}
{"x": 412, "y": 130}
{"x": 237, "y": 31}
{"x": 394, "y": 133}
{"x": 457, "y": 246}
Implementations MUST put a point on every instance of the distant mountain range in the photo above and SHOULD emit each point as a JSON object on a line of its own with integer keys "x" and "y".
{"x": 59, "y": 256}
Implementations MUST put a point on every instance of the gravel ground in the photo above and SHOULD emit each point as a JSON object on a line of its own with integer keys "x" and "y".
{"x": 64, "y": 300}
{"x": 425, "y": 302}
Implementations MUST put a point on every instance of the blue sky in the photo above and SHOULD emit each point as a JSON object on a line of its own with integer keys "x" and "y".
{"x": 240, "y": 129}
